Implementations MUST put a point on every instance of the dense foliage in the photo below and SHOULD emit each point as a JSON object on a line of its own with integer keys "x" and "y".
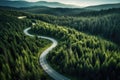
{"x": 19, "y": 53}
{"x": 105, "y": 23}
{"x": 80, "y": 55}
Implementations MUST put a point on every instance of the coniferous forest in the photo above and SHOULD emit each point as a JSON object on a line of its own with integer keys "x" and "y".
{"x": 104, "y": 23}
{"x": 88, "y": 44}
{"x": 81, "y": 55}
{"x": 18, "y": 53}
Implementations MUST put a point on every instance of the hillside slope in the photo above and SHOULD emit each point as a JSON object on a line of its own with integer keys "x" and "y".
{"x": 81, "y": 56}
{"x": 19, "y": 53}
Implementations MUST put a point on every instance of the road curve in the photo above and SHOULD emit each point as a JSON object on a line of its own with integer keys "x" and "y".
{"x": 42, "y": 59}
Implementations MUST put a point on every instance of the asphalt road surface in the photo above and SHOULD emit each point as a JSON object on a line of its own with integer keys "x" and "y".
{"x": 42, "y": 59}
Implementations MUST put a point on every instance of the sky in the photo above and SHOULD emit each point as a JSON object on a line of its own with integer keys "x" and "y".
{"x": 81, "y": 3}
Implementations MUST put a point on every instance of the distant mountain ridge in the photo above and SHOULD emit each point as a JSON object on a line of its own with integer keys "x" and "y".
{"x": 31, "y": 4}
{"x": 23, "y": 4}
{"x": 47, "y": 10}
{"x": 104, "y": 6}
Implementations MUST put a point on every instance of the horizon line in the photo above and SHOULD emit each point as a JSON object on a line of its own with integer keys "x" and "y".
{"x": 73, "y": 4}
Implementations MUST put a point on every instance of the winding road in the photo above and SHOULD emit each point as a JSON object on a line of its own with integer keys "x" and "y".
{"x": 42, "y": 59}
